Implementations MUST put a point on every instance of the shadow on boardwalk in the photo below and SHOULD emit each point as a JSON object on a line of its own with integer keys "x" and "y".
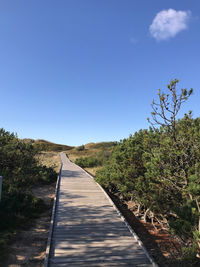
{"x": 91, "y": 235}
{"x": 151, "y": 241}
{"x": 88, "y": 231}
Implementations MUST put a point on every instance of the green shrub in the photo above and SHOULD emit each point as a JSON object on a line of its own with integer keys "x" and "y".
{"x": 159, "y": 168}
{"x": 88, "y": 162}
{"x": 80, "y": 148}
{"x": 159, "y": 174}
{"x": 189, "y": 255}
{"x": 18, "y": 164}
{"x": 17, "y": 207}
{"x": 20, "y": 170}
{"x": 17, "y": 210}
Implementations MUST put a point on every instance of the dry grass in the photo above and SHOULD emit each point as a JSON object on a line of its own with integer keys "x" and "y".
{"x": 50, "y": 159}
{"x": 93, "y": 170}
{"x": 27, "y": 248}
{"x": 74, "y": 154}
{"x": 91, "y": 149}
{"x": 44, "y": 145}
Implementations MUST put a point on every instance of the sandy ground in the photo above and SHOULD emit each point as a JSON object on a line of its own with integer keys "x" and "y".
{"x": 49, "y": 159}
{"x": 28, "y": 248}
{"x": 164, "y": 248}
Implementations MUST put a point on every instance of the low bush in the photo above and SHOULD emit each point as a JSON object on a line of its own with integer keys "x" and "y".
{"x": 189, "y": 255}
{"x": 88, "y": 162}
{"x": 80, "y": 148}
{"x": 20, "y": 171}
{"x": 16, "y": 208}
{"x": 97, "y": 159}
{"x": 159, "y": 169}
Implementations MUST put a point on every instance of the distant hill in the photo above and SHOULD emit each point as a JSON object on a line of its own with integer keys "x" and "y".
{"x": 100, "y": 145}
{"x": 44, "y": 145}
{"x": 91, "y": 150}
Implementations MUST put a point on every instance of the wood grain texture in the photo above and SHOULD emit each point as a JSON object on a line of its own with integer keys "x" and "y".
{"x": 88, "y": 229}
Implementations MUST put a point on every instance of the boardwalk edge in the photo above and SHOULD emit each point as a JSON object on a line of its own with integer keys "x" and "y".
{"x": 48, "y": 246}
{"x": 125, "y": 221}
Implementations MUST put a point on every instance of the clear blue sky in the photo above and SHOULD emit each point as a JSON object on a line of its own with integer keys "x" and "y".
{"x": 76, "y": 71}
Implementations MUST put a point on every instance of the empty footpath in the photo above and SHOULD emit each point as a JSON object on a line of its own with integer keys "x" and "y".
{"x": 86, "y": 227}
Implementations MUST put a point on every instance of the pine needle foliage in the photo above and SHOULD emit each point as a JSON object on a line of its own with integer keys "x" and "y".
{"x": 159, "y": 168}
{"x": 20, "y": 170}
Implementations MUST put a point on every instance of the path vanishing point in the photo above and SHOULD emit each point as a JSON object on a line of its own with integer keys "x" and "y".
{"x": 86, "y": 227}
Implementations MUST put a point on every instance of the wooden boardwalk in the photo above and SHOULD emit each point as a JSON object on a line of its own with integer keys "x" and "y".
{"x": 86, "y": 228}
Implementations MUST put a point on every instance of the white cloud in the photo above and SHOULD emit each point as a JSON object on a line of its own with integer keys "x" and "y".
{"x": 168, "y": 23}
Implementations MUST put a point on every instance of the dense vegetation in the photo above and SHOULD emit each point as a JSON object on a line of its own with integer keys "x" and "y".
{"x": 94, "y": 154}
{"x": 98, "y": 159}
{"x": 102, "y": 145}
{"x": 20, "y": 170}
{"x": 159, "y": 170}
{"x": 88, "y": 162}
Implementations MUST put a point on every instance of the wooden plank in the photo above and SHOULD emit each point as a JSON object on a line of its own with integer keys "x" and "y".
{"x": 88, "y": 229}
{"x": 137, "y": 259}
{"x": 100, "y": 263}
{"x": 63, "y": 241}
{"x": 127, "y": 263}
